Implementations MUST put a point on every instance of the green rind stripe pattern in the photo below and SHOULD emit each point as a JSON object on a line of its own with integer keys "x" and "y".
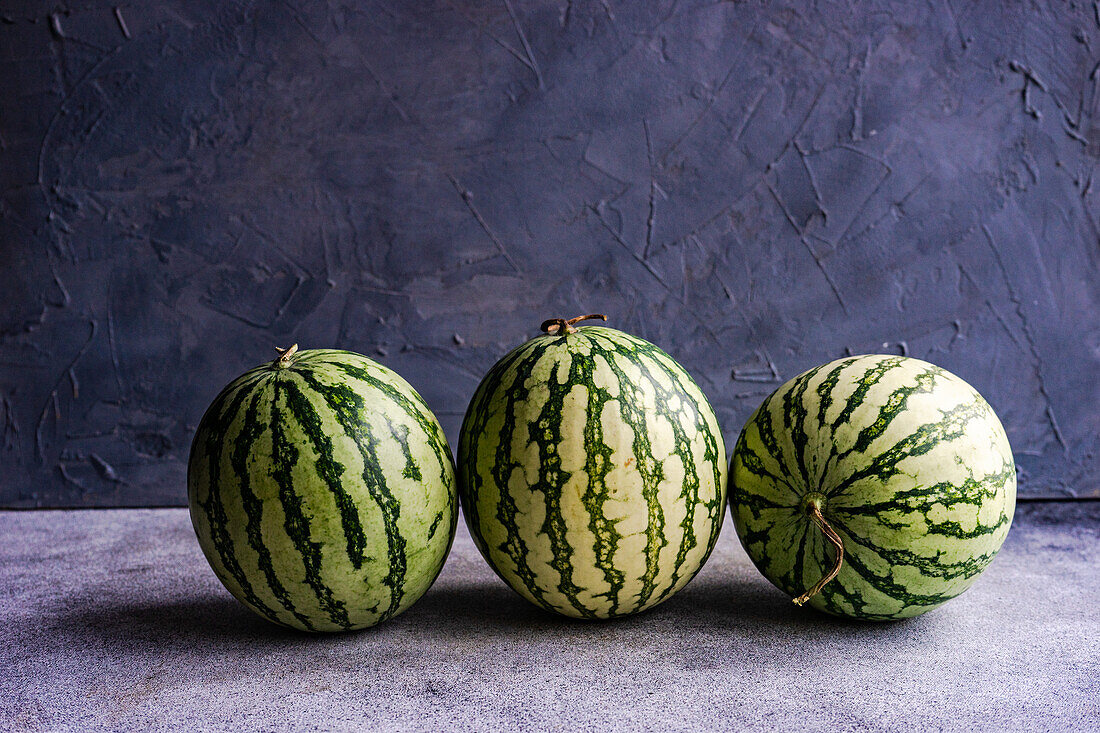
{"x": 914, "y": 471}
{"x": 323, "y": 494}
{"x": 592, "y": 473}
{"x": 251, "y": 430}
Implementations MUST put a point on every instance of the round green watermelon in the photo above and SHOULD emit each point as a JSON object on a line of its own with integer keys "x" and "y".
{"x": 322, "y": 491}
{"x": 873, "y": 487}
{"x": 592, "y": 472}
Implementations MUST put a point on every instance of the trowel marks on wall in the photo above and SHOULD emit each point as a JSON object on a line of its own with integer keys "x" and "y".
{"x": 757, "y": 190}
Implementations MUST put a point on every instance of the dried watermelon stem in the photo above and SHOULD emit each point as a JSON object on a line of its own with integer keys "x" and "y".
{"x": 285, "y": 356}
{"x": 560, "y": 325}
{"x": 815, "y": 513}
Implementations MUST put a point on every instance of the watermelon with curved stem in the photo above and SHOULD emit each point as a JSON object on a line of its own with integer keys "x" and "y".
{"x": 874, "y": 487}
{"x": 322, "y": 491}
{"x": 592, "y": 472}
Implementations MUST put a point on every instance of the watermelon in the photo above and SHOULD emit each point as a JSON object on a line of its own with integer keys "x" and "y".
{"x": 591, "y": 472}
{"x": 322, "y": 491}
{"x": 873, "y": 487}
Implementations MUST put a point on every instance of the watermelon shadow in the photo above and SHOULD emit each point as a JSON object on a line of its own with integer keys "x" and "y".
{"x": 489, "y": 604}
{"x": 757, "y": 607}
{"x": 724, "y": 599}
{"x": 493, "y": 606}
{"x": 173, "y": 621}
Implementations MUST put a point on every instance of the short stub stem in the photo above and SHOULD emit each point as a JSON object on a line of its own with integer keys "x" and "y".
{"x": 285, "y": 356}
{"x": 830, "y": 533}
{"x": 560, "y": 325}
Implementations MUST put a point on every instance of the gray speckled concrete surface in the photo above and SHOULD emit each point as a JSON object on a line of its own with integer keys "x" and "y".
{"x": 111, "y": 620}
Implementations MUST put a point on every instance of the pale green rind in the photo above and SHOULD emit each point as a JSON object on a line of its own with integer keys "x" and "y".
{"x": 323, "y": 494}
{"x": 916, "y": 474}
{"x": 592, "y": 473}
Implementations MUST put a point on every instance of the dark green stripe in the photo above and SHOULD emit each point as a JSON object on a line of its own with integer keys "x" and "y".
{"x": 410, "y": 403}
{"x": 825, "y": 390}
{"x": 473, "y": 430}
{"x": 598, "y": 465}
{"x": 415, "y": 407}
{"x": 349, "y": 409}
{"x": 799, "y": 565}
{"x": 971, "y": 492}
{"x": 211, "y": 436}
{"x": 400, "y": 433}
{"x": 827, "y": 385}
{"x": 766, "y": 430}
{"x": 251, "y": 431}
{"x": 922, "y": 440}
{"x": 631, "y": 398}
{"x": 895, "y": 405}
{"x": 692, "y": 484}
{"x": 867, "y": 380}
{"x": 932, "y": 567}
{"x": 546, "y": 432}
{"x": 503, "y": 465}
{"x": 795, "y": 415}
{"x": 764, "y": 534}
{"x": 284, "y": 458}
{"x": 896, "y": 591}
{"x": 328, "y": 469}
{"x": 435, "y": 525}
{"x": 522, "y": 362}
{"x": 651, "y": 360}
{"x": 837, "y": 595}
{"x": 754, "y": 464}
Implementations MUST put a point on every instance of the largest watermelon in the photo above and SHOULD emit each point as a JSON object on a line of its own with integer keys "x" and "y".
{"x": 322, "y": 491}
{"x": 592, "y": 472}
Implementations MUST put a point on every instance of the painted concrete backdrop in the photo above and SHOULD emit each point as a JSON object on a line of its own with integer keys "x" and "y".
{"x": 757, "y": 188}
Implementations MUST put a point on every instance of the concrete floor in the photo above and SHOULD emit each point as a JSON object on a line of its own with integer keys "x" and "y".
{"x": 111, "y": 620}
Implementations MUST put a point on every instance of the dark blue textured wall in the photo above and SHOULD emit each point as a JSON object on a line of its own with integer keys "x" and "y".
{"x": 755, "y": 187}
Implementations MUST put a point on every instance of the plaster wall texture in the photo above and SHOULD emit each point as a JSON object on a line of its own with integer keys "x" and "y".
{"x": 755, "y": 187}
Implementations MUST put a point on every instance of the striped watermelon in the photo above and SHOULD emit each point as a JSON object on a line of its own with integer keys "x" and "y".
{"x": 885, "y": 470}
{"x": 322, "y": 491}
{"x": 592, "y": 472}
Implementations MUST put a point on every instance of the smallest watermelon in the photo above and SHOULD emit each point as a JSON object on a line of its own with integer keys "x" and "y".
{"x": 322, "y": 491}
